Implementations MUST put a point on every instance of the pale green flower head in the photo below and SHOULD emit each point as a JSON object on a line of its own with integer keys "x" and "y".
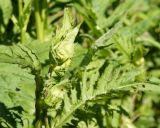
{"x": 53, "y": 94}
{"x": 63, "y": 43}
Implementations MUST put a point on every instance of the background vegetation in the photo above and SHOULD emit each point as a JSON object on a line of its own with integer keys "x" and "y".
{"x": 111, "y": 81}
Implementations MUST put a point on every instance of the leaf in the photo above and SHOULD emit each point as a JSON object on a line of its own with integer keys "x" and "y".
{"x": 84, "y": 8}
{"x": 19, "y": 54}
{"x": 102, "y": 41}
{"x": 99, "y": 8}
{"x": 41, "y": 50}
{"x": 120, "y": 12}
{"x": 17, "y": 88}
{"x": 79, "y": 54}
{"x": 5, "y": 12}
{"x": 143, "y": 86}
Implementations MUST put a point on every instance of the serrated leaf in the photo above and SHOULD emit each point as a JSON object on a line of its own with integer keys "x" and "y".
{"x": 19, "y": 54}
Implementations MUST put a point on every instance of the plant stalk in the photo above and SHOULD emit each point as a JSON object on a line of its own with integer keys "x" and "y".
{"x": 39, "y": 21}
{"x": 20, "y": 7}
{"x": 41, "y": 112}
{"x": 20, "y": 11}
{"x": 46, "y": 123}
{"x": 38, "y": 114}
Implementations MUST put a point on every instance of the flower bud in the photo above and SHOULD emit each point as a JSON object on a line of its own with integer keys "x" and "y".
{"x": 52, "y": 95}
{"x": 62, "y": 47}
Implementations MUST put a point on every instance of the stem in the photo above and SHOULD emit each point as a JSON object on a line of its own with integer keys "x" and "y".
{"x": 40, "y": 18}
{"x": 39, "y": 85}
{"x": 44, "y": 12}
{"x": 20, "y": 10}
{"x": 39, "y": 21}
{"x": 22, "y": 35}
{"x": 41, "y": 112}
{"x": 46, "y": 118}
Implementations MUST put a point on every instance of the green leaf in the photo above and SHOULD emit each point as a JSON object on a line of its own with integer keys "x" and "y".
{"x": 41, "y": 50}
{"x": 19, "y": 54}
{"x": 17, "y": 88}
{"x": 99, "y": 8}
{"x": 120, "y": 12}
{"x": 6, "y": 11}
{"x": 79, "y": 54}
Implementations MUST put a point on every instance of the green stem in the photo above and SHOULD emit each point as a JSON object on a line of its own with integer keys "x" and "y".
{"x": 46, "y": 118}
{"x": 39, "y": 21}
{"x": 44, "y": 12}
{"x": 39, "y": 111}
{"x": 20, "y": 10}
{"x": 22, "y": 35}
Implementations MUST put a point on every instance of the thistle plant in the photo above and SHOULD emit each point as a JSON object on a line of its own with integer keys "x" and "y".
{"x": 102, "y": 72}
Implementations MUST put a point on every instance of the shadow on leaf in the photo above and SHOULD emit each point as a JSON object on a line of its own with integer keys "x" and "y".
{"x": 10, "y": 117}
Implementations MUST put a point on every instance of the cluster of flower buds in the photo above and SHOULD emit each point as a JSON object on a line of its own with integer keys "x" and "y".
{"x": 61, "y": 52}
